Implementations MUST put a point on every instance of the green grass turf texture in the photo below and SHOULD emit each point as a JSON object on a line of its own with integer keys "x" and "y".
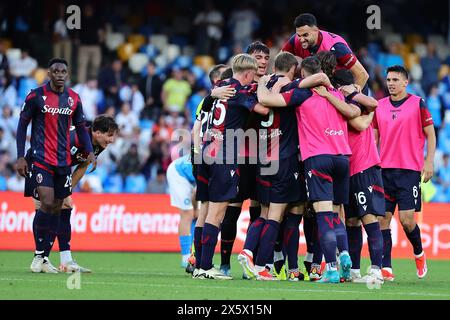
{"x": 159, "y": 276}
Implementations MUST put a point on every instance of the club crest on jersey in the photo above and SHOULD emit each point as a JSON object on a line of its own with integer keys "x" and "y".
{"x": 310, "y": 173}
{"x": 39, "y": 178}
{"x": 296, "y": 175}
{"x": 44, "y": 98}
{"x": 394, "y": 116}
{"x": 70, "y": 101}
{"x": 232, "y": 172}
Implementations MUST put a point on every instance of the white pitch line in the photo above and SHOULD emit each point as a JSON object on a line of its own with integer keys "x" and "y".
{"x": 368, "y": 291}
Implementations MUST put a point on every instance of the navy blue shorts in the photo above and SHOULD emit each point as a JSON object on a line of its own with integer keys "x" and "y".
{"x": 58, "y": 178}
{"x": 327, "y": 178}
{"x": 366, "y": 194}
{"x": 287, "y": 185}
{"x": 247, "y": 183}
{"x": 402, "y": 186}
{"x": 202, "y": 182}
{"x": 223, "y": 182}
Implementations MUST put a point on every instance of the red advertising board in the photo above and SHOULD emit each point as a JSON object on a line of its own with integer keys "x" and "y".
{"x": 129, "y": 222}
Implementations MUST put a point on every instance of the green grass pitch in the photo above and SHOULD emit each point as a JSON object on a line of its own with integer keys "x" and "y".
{"x": 158, "y": 276}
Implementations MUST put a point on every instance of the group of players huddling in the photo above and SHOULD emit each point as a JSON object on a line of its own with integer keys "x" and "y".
{"x": 323, "y": 151}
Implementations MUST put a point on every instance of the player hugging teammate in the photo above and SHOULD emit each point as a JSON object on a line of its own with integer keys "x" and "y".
{"x": 315, "y": 148}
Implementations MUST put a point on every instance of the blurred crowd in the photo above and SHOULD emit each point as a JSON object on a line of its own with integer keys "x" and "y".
{"x": 150, "y": 71}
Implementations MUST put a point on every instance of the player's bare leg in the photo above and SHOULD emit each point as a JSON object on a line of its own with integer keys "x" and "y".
{"x": 412, "y": 232}
{"x": 184, "y": 232}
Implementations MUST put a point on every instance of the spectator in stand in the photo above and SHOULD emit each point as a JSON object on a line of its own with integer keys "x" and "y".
{"x": 90, "y": 38}
{"x": 91, "y": 96}
{"x": 9, "y": 122}
{"x": 62, "y": 44}
{"x": 6, "y": 165}
{"x": 243, "y": 22}
{"x": 151, "y": 87}
{"x": 162, "y": 130}
{"x": 110, "y": 81}
{"x": 368, "y": 62}
{"x": 8, "y": 93}
{"x": 127, "y": 121}
{"x": 209, "y": 30}
{"x": 175, "y": 92}
{"x": 23, "y": 67}
{"x": 158, "y": 185}
{"x": 129, "y": 164}
{"x": 4, "y": 65}
{"x": 137, "y": 100}
{"x": 5, "y": 143}
{"x": 430, "y": 65}
{"x": 434, "y": 103}
{"x": 192, "y": 104}
{"x": 130, "y": 93}
{"x": 16, "y": 183}
{"x": 391, "y": 58}
{"x": 91, "y": 183}
{"x": 414, "y": 86}
{"x": 443, "y": 180}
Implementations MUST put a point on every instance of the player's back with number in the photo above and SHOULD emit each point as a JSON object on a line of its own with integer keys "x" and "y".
{"x": 230, "y": 114}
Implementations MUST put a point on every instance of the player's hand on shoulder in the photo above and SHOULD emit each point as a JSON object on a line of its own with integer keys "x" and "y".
{"x": 91, "y": 158}
{"x": 264, "y": 80}
{"x": 321, "y": 91}
{"x": 282, "y": 81}
{"x": 223, "y": 93}
{"x": 347, "y": 90}
{"x": 326, "y": 81}
{"x": 22, "y": 167}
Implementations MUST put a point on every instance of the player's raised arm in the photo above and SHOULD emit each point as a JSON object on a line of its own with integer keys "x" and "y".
{"x": 360, "y": 74}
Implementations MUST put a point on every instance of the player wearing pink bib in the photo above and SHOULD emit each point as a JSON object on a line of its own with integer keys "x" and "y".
{"x": 366, "y": 200}
{"x": 324, "y": 149}
{"x": 309, "y": 40}
{"x": 402, "y": 123}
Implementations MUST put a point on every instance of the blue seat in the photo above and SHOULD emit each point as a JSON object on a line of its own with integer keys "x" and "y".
{"x": 113, "y": 184}
{"x": 3, "y": 185}
{"x": 135, "y": 184}
{"x": 183, "y": 62}
{"x": 25, "y": 86}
